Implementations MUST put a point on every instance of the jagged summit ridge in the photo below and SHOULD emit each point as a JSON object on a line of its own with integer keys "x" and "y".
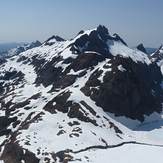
{"x": 157, "y": 57}
{"x": 102, "y": 29}
{"x": 36, "y": 43}
{"x": 161, "y": 47}
{"x": 56, "y": 99}
{"x": 79, "y": 53}
{"x": 19, "y": 49}
{"x": 158, "y": 54}
{"x": 141, "y": 48}
{"x": 102, "y": 33}
{"x": 53, "y": 39}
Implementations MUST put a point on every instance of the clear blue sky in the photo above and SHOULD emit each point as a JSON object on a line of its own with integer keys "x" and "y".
{"x": 136, "y": 21}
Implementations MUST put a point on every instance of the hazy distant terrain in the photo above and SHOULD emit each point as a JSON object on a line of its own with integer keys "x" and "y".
{"x": 150, "y": 50}
{"x": 8, "y": 46}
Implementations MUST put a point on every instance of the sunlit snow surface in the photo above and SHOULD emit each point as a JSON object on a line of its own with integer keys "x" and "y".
{"x": 52, "y": 132}
{"x": 116, "y": 47}
{"x": 124, "y": 154}
{"x": 150, "y": 134}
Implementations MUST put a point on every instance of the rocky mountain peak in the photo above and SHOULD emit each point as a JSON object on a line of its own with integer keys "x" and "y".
{"x": 158, "y": 54}
{"x": 55, "y": 38}
{"x": 102, "y": 30}
{"x": 19, "y": 49}
{"x": 36, "y": 43}
{"x": 80, "y": 32}
{"x": 161, "y": 47}
{"x": 64, "y": 98}
{"x": 141, "y": 48}
{"x": 118, "y": 38}
{"x": 33, "y": 44}
{"x": 97, "y": 39}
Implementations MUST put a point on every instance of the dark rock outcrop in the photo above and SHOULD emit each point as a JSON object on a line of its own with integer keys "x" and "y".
{"x": 158, "y": 54}
{"x": 119, "y": 84}
{"x": 141, "y": 48}
{"x": 54, "y": 38}
{"x": 15, "y": 154}
{"x": 123, "y": 93}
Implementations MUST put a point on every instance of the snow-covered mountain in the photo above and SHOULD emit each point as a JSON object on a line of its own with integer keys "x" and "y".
{"x": 18, "y": 50}
{"x": 141, "y": 48}
{"x": 8, "y": 46}
{"x": 81, "y": 100}
{"x": 157, "y": 57}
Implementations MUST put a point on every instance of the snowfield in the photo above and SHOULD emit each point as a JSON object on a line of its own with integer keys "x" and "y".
{"x": 98, "y": 137}
{"x": 127, "y": 153}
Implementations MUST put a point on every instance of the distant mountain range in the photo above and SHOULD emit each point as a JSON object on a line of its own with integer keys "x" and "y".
{"x": 88, "y": 99}
{"x": 17, "y": 50}
{"x": 8, "y": 46}
{"x": 150, "y": 50}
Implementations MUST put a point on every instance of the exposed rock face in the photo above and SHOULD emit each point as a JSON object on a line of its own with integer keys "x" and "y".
{"x": 129, "y": 89}
{"x": 16, "y": 154}
{"x": 97, "y": 41}
{"x": 141, "y": 48}
{"x": 157, "y": 59}
{"x": 57, "y": 38}
{"x": 52, "y": 40}
{"x": 158, "y": 54}
{"x": 122, "y": 92}
{"x": 152, "y": 76}
{"x": 55, "y": 96}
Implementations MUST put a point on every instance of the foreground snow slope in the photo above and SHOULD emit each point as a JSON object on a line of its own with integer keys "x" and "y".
{"x": 128, "y": 153}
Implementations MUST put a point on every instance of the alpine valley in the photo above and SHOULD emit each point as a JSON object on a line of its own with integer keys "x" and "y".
{"x": 88, "y": 99}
